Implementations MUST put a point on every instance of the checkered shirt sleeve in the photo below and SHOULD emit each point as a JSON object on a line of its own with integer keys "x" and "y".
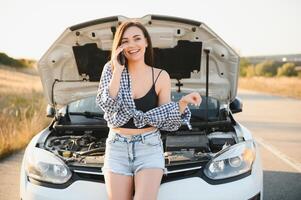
{"x": 108, "y": 104}
{"x": 168, "y": 117}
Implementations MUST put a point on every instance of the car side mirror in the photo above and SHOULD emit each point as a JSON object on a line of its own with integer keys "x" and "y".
{"x": 236, "y": 105}
{"x": 50, "y": 111}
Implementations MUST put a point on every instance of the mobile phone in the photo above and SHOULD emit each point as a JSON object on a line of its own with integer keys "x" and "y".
{"x": 121, "y": 58}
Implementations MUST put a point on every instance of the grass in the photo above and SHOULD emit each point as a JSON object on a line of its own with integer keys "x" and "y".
{"x": 22, "y": 109}
{"x": 283, "y": 86}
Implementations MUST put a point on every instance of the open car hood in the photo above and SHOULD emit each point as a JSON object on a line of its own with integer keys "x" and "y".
{"x": 71, "y": 68}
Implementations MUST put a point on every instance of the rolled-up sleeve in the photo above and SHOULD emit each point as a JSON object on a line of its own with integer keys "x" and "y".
{"x": 103, "y": 99}
{"x": 168, "y": 117}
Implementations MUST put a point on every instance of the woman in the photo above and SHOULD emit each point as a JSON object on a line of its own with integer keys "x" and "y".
{"x": 136, "y": 101}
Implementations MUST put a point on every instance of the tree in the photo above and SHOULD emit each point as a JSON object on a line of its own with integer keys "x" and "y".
{"x": 266, "y": 68}
{"x": 250, "y": 71}
{"x": 287, "y": 69}
{"x": 243, "y": 65}
{"x": 12, "y": 62}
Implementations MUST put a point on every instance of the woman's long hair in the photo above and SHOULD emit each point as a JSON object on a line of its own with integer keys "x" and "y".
{"x": 148, "y": 56}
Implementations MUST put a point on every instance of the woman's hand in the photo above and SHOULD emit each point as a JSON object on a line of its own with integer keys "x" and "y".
{"x": 193, "y": 98}
{"x": 114, "y": 61}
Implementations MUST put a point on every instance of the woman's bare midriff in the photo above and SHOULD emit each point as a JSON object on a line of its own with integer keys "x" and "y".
{"x": 132, "y": 131}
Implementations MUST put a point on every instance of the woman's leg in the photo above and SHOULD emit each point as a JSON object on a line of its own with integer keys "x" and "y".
{"x": 119, "y": 187}
{"x": 147, "y": 183}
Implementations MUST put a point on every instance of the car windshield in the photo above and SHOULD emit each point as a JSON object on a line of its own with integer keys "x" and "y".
{"x": 84, "y": 105}
{"x": 88, "y": 107}
{"x": 212, "y": 102}
{"x": 208, "y": 110}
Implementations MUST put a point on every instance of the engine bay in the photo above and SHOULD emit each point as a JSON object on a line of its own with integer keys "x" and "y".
{"x": 79, "y": 135}
{"x": 181, "y": 147}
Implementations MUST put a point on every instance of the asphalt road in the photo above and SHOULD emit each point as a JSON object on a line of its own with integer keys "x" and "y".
{"x": 276, "y": 125}
{"x": 275, "y": 122}
{"x": 9, "y": 173}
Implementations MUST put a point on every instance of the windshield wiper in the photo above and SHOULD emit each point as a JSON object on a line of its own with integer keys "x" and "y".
{"x": 88, "y": 114}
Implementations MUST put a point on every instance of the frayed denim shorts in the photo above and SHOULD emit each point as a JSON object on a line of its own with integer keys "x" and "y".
{"x": 127, "y": 154}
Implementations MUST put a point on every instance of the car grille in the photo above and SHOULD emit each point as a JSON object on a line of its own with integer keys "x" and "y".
{"x": 173, "y": 173}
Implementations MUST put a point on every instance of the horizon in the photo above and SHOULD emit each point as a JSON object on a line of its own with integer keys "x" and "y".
{"x": 266, "y": 55}
{"x": 251, "y": 28}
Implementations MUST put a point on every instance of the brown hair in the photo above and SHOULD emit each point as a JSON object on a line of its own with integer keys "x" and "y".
{"x": 148, "y": 56}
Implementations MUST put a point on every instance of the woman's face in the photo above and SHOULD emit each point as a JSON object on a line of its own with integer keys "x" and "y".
{"x": 135, "y": 43}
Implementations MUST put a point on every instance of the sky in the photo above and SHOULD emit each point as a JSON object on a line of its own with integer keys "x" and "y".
{"x": 251, "y": 27}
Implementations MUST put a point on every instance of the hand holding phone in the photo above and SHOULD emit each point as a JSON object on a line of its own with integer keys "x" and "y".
{"x": 121, "y": 58}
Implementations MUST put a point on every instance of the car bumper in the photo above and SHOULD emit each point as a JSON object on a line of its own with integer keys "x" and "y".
{"x": 194, "y": 188}
{"x": 189, "y": 188}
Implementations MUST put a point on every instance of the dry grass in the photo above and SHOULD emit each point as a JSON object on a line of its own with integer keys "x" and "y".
{"x": 284, "y": 86}
{"x": 22, "y": 109}
{"x": 18, "y": 81}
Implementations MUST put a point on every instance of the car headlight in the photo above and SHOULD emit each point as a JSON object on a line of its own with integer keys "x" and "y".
{"x": 232, "y": 161}
{"x": 44, "y": 166}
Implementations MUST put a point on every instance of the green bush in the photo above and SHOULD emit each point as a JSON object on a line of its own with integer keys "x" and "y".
{"x": 266, "y": 68}
{"x": 243, "y": 65}
{"x": 28, "y": 62}
{"x": 6, "y": 60}
{"x": 287, "y": 69}
{"x": 250, "y": 71}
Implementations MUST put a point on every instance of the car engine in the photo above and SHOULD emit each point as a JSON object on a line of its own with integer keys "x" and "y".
{"x": 179, "y": 148}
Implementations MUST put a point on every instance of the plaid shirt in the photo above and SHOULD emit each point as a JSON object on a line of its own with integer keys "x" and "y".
{"x": 120, "y": 110}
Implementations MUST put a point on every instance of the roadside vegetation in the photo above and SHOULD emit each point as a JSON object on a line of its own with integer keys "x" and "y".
{"x": 22, "y": 107}
{"x": 271, "y": 77}
{"x": 16, "y": 63}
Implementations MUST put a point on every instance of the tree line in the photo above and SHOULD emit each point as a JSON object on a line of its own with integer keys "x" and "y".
{"x": 268, "y": 68}
{"x": 12, "y": 62}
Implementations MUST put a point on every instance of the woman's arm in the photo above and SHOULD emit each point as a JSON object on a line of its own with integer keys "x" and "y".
{"x": 176, "y": 113}
{"x": 115, "y": 83}
{"x": 165, "y": 91}
{"x": 108, "y": 95}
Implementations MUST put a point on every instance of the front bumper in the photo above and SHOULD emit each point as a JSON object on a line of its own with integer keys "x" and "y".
{"x": 194, "y": 188}
{"x": 190, "y": 189}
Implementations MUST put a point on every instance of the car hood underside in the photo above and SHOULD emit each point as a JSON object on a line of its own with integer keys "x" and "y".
{"x": 71, "y": 68}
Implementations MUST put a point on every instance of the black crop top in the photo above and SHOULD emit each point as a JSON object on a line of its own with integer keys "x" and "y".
{"x": 145, "y": 103}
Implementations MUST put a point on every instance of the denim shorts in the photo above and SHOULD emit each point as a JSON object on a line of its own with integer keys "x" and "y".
{"x": 127, "y": 154}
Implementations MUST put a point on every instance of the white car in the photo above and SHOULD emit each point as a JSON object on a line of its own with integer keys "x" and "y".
{"x": 212, "y": 158}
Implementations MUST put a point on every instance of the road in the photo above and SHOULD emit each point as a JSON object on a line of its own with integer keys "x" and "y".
{"x": 276, "y": 125}
{"x": 9, "y": 171}
{"x": 275, "y": 122}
